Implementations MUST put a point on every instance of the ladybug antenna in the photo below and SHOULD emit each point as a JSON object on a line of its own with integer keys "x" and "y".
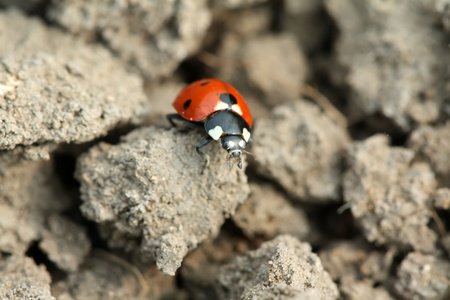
{"x": 251, "y": 154}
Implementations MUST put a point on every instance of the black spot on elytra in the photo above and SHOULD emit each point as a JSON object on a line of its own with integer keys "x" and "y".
{"x": 187, "y": 104}
{"x": 228, "y": 99}
{"x": 204, "y": 83}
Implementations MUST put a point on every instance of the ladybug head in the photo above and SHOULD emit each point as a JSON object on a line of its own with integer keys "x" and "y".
{"x": 235, "y": 145}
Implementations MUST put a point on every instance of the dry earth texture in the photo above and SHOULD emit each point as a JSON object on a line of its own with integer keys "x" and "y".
{"x": 347, "y": 195}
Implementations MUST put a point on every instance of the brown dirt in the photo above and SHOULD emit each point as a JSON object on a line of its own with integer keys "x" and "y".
{"x": 348, "y": 196}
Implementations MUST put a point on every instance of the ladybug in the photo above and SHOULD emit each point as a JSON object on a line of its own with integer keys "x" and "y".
{"x": 221, "y": 110}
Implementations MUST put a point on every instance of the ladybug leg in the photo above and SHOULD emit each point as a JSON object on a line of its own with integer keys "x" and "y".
{"x": 176, "y": 117}
{"x": 205, "y": 141}
{"x": 172, "y": 117}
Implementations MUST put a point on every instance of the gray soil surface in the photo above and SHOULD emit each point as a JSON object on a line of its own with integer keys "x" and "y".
{"x": 346, "y": 192}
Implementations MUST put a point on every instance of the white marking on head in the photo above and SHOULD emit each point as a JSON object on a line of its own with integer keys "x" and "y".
{"x": 216, "y": 132}
{"x": 221, "y": 106}
{"x": 237, "y": 109}
{"x": 246, "y": 134}
{"x": 231, "y": 144}
{"x": 241, "y": 144}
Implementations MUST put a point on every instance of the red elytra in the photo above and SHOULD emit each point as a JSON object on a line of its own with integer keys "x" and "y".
{"x": 200, "y": 99}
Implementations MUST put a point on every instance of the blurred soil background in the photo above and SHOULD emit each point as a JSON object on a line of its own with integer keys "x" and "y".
{"x": 349, "y": 194}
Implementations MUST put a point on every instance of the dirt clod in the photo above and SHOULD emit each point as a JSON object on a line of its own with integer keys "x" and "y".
{"x": 433, "y": 144}
{"x": 389, "y": 194}
{"x": 267, "y": 214}
{"x": 50, "y": 92}
{"x": 65, "y": 242}
{"x": 283, "y": 268}
{"x": 153, "y": 37}
{"x": 392, "y": 60}
{"x": 301, "y": 148}
{"x": 21, "y": 278}
{"x": 135, "y": 193}
{"x": 29, "y": 194}
{"x": 423, "y": 276}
